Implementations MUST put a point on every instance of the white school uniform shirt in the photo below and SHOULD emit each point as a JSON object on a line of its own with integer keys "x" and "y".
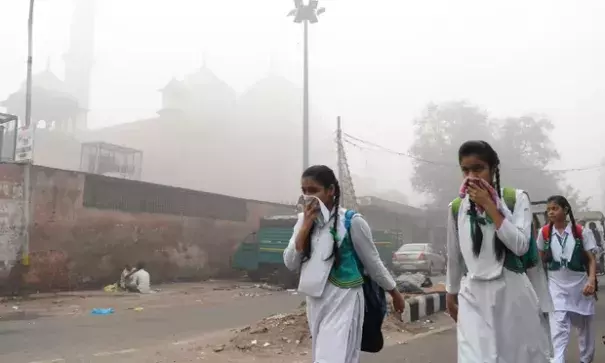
{"x": 514, "y": 232}
{"x": 314, "y": 273}
{"x": 566, "y": 285}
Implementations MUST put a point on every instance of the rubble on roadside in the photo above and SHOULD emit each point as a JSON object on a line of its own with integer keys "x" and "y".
{"x": 289, "y": 333}
{"x": 281, "y": 333}
{"x": 266, "y": 286}
{"x": 413, "y": 283}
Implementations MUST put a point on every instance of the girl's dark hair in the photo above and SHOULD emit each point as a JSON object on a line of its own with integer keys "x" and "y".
{"x": 324, "y": 176}
{"x": 486, "y": 153}
{"x": 562, "y": 202}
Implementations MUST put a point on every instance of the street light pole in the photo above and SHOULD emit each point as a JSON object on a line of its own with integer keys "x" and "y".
{"x": 306, "y": 96}
{"x": 306, "y": 13}
{"x": 30, "y": 46}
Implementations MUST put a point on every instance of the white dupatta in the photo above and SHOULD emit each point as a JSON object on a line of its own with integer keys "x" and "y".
{"x": 314, "y": 272}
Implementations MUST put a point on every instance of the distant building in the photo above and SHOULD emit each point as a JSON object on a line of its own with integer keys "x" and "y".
{"x": 204, "y": 136}
{"x": 53, "y": 106}
{"x": 187, "y": 143}
{"x": 60, "y": 107}
{"x": 200, "y": 94}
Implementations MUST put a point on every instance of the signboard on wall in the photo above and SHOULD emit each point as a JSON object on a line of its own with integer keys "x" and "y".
{"x": 24, "y": 148}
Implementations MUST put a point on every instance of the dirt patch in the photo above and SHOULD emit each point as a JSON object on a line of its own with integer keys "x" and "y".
{"x": 278, "y": 334}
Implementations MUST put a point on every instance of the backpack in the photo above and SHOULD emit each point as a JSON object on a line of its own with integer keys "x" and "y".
{"x": 546, "y": 233}
{"x": 546, "y": 236}
{"x": 530, "y": 258}
{"x": 577, "y": 236}
{"x": 372, "y": 340}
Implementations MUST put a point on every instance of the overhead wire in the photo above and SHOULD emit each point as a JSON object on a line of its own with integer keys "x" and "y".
{"x": 368, "y": 145}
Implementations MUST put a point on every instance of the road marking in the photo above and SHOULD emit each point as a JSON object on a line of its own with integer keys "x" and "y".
{"x": 59, "y": 360}
{"x": 117, "y": 352}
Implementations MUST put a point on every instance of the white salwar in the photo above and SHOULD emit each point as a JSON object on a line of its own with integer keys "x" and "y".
{"x": 537, "y": 276}
{"x": 539, "y": 281}
{"x": 335, "y": 314}
{"x": 571, "y": 307}
{"x": 498, "y": 310}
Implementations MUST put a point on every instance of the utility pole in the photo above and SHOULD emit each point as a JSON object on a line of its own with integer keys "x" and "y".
{"x": 306, "y": 96}
{"x": 306, "y": 13}
{"x": 30, "y": 46}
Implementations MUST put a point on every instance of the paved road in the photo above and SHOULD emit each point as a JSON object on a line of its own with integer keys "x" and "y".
{"x": 71, "y": 338}
{"x": 77, "y": 338}
{"x": 441, "y": 347}
{"x": 32, "y": 338}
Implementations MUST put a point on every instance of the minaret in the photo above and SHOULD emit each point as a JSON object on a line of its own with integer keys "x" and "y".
{"x": 80, "y": 56}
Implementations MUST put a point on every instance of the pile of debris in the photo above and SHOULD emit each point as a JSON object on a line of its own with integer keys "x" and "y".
{"x": 288, "y": 333}
{"x": 410, "y": 283}
{"x": 281, "y": 333}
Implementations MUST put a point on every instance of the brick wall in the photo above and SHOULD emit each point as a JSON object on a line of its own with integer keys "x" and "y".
{"x": 86, "y": 227}
{"x": 12, "y": 220}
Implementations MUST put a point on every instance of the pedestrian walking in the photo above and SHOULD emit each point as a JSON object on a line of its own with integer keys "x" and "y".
{"x": 488, "y": 291}
{"x": 568, "y": 250}
{"x": 333, "y": 248}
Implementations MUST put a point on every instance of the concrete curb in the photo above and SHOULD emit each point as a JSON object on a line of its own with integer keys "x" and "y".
{"x": 420, "y": 306}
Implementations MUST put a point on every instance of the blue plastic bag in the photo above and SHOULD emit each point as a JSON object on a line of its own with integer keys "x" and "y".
{"x": 102, "y": 311}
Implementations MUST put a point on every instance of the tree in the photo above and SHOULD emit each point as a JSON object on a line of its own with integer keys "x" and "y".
{"x": 523, "y": 145}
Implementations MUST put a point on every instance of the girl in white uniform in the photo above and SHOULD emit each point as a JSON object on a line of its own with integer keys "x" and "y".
{"x": 488, "y": 293}
{"x": 327, "y": 256}
{"x": 567, "y": 249}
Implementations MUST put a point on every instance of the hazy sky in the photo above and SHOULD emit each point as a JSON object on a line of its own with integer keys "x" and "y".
{"x": 377, "y": 63}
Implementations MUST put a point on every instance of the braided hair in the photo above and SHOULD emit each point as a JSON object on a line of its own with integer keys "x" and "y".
{"x": 483, "y": 151}
{"x": 562, "y": 202}
{"x": 325, "y": 176}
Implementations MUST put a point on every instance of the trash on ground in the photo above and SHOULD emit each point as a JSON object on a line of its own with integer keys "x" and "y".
{"x": 98, "y": 311}
{"x": 413, "y": 283}
{"x": 218, "y": 348}
{"x": 111, "y": 288}
{"x": 278, "y": 332}
{"x": 407, "y": 287}
{"x": 266, "y": 286}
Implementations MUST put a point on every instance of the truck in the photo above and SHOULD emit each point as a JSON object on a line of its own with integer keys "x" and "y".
{"x": 260, "y": 254}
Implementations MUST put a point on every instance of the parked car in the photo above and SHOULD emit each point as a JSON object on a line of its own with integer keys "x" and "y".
{"x": 418, "y": 257}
